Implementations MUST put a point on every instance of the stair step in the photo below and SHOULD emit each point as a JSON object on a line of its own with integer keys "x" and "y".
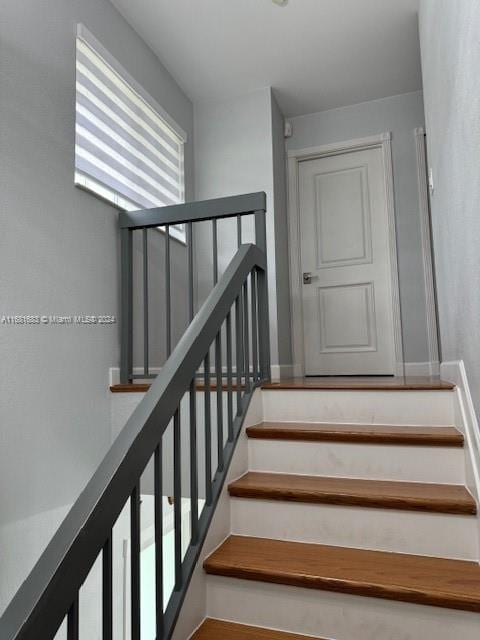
{"x": 439, "y": 582}
{"x": 362, "y": 383}
{"x": 222, "y": 630}
{"x": 411, "y": 496}
{"x": 371, "y": 433}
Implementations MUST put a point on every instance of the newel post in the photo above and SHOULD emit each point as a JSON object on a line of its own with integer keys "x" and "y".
{"x": 263, "y": 311}
{"x": 126, "y": 317}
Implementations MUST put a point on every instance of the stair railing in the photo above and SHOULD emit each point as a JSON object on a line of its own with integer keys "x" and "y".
{"x": 50, "y": 594}
{"x": 188, "y": 215}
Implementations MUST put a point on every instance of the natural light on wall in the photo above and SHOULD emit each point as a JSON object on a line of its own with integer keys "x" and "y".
{"x": 128, "y": 150}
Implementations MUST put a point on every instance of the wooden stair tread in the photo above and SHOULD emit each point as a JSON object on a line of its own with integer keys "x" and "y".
{"x": 371, "y": 433}
{"x": 221, "y": 630}
{"x": 131, "y": 387}
{"x": 365, "y": 383}
{"x": 362, "y": 383}
{"x": 440, "y": 582}
{"x": 412, "y": 496}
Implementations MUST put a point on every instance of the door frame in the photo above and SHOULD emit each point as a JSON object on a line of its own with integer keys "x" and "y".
{"x": 381, "y": 141}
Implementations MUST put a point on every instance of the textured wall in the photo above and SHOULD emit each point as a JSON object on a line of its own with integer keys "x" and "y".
{"x": 401, "y": 115}
{"x": 450, "y": 45}
{"x": 59, "y": 253}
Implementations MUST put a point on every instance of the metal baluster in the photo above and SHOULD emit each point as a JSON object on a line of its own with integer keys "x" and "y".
{"x": 215, "y": 251}
{"x": 135, "y": 561}
{"x": 72, "y": 621}
{"x": 158, "y": 490}
{"x": 229, "y": 377}
{"x": 239, "y": 231}
{"x": 246, "y": 346}
{"x": 253, "y": 289}
{"x": 262, "y": 287}
{"x": 239, "y": 330}
{"x": 193, "y": 464}
{"x": 219, "y": 384}
{"x": 208, "y": 430}
{"x": 218, "y": 355}
{"x": 191, "y": 310}
{"x": 126, "y": 364}
{"x": 168, "y": 319}
{"x": 177, "y": 499}
{"x": 239, "y": 351}
{"x": 107, "y": 590}
{"x": 145, "y": 303}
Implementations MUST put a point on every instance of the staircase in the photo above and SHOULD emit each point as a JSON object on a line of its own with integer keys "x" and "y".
{"x": 178, "y": 442}
{"x": 317, "y": 508}
{"x": 349, "y": 529}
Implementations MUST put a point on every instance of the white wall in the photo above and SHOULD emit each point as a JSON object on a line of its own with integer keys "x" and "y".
{"x": 59, "y": 254}
{"x": 401, "y": 115}
{"x": 234, "y": 154}
{"x": 449, "y": 38}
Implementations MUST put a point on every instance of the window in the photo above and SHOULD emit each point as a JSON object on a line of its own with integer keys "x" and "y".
{"x": 128, "y": 150}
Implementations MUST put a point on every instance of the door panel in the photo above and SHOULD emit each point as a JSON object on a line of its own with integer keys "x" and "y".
{"x": 342, "y": 218}
{"x": 347, "y": 307}
{"x": 347, "y": 318}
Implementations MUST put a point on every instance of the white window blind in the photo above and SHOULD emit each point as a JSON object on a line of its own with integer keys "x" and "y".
{"x": 127, "y": 148}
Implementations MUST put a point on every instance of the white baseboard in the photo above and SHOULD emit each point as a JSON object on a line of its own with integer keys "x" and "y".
{"x": 466, "y": 421}
{"x": 411, "y": 369}
{"x": 422, "y": 368}
{"x": 114, "y": 374}
{"x": 279, "y": 371}
{"x": 282, "y": 371}
{"x": 297, "y": 370}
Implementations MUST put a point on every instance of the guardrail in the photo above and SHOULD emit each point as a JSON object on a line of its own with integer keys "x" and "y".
{"x": 51, "y": 592}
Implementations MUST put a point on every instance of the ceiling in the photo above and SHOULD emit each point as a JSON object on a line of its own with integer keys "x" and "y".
{"x": 316, "y": 54}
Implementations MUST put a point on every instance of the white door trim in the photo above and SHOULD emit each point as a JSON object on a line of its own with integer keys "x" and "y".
{"x": 381, "y": 141}
{"x": 432, "y": 335}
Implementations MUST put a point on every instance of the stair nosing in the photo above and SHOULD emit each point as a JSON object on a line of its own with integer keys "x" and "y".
{"x": 348, "y": 497}
{"x": 442, "y": 436}
{"x": 396, "y": 591}
{"x": 246, "y": 630}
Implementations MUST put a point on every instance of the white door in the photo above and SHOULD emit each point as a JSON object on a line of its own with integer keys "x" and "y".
{"x": 344, "y": 235}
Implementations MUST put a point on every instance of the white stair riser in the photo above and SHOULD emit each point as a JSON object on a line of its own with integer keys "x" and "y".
{"x": 334, "y": 615}
{"x": 352, "y": 460}
{"x": 360, "y": 527}
{"x": 432, "y": 408}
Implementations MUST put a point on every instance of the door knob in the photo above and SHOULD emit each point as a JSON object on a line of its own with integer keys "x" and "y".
{"x": 307, "y": 277}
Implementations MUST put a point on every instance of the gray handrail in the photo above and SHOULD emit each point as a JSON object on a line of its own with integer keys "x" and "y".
{"x": 46, "y": 596}
{"x": 198, "y": 211}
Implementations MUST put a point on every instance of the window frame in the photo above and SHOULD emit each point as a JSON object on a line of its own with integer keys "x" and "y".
{"x": 98, "y": 189}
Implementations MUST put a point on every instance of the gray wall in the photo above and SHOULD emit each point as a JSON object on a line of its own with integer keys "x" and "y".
{"x": 281, "y": 235}
{"x": 59, "y": 254}
{"x": 451, "y": 62}
{"x": 236, "y": 143}
{"x": 401, "y": 115}
{"x": 156, "y": 289}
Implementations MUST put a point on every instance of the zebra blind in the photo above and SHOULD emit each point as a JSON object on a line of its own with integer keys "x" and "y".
{"x": 127, "y": 149}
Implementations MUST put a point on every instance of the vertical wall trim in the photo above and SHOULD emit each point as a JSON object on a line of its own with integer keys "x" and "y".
{"x": 392, "y": 230}
{"x": 429, "y": 283}
{"x": 383, "y": 142}
{"x": 296, "y": 308}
